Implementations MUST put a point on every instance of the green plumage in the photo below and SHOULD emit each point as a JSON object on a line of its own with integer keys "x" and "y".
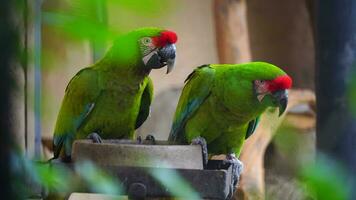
{"x": 111, "y": 97}
{"x": 219, "y": 104}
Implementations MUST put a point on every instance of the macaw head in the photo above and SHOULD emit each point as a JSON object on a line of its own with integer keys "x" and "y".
{"x": 151, "y": 48}
{"x": 273, "y": 88}
{"x": 159, "y": 50}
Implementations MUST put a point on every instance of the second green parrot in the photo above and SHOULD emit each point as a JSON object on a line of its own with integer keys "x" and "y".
{"x": 111, "y": 98}
{"x": 220, "y": 105}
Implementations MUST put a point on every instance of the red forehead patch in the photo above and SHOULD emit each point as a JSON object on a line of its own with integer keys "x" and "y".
{"x": 166, "y": 37}
{"x": 280, "y": 83}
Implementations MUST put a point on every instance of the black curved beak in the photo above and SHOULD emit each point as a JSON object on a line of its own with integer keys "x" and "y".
{"x": 281, "y": 98}
{"x": 167, "y": 55}
{"x": 162, "y": 57}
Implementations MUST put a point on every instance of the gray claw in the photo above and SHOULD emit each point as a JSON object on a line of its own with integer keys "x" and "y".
{"x": 139, "y": 139}
{"x": 95, "y": 137}
{"x": 202, "y": 142}
{"x": 237, "y": 167}
{"x": 150, "y": 139}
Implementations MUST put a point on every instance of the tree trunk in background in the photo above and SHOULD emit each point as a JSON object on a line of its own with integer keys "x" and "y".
{"x": 335, "y": 72}
{"x": 231, "y": 31}
{"x": 8, "y": 52}
{"x": 281, "y": 33}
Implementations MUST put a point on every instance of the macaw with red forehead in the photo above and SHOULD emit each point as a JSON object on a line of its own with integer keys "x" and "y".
{"x": 112, "y": 98}
{"x": 220, "y": 105}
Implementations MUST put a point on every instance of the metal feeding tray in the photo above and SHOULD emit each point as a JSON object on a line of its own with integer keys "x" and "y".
{"x": 129, "y": 153}
{"x": 139, "y": 179}
{"x": 215, "y": 182}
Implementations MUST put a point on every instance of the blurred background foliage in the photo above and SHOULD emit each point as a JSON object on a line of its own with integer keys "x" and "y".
{"x": 76, "y": 32}
{"x": 35, "y": 179}
{"x": 326, "y": 179}
{"x": 39, "y": 179}
{"x": 177, "y": 186}
{"x": 318, "y": 176}
{"x": 88, "y": 19}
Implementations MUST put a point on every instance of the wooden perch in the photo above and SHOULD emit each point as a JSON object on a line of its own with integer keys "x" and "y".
{"x": 252, "y": 185}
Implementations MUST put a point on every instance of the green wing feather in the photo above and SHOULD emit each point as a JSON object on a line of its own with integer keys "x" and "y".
{"x": 195, "y": 92}
{"x": 79, "y": 100}
{"x": 252, "y": 125}
{"x": 146, "y": 101}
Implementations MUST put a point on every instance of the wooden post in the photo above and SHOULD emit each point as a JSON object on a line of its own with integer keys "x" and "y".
{"x": 231, "y": 31}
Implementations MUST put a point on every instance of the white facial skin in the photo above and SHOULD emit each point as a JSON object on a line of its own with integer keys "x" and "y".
{"x": 149, "y": 50}
{"x": 261, "y": 89}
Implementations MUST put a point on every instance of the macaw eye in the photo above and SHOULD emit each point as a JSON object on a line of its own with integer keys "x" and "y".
{"x": 259, "y": 82}
{"x": 147, "y": 41}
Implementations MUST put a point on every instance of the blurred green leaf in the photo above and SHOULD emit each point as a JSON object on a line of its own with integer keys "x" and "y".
{"x": 144, "y": 7}
{"x": 325, "y": 180}
{"x": 97, "y": 180}
{"x": 55, "y": 178}
{"x": 31, "y": 176}
{"x": 175, "y": 183}
{"x": 85, "y": 20}
{"x": 78, "y": 27}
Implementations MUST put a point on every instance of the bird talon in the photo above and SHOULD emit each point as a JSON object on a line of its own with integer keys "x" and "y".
{"x": 202, "y": 142}
{"x": 237, "y": 167}
{"x": 150, "y": 139}
{"x": 95, "y": 137}
{"x": 139, "y": 139}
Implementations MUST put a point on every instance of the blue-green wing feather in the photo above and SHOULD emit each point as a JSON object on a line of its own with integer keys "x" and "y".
{"x": 196, "y": 90}
{"x": 79, "y": 100}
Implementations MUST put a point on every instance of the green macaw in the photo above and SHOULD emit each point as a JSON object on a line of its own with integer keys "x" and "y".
{"x": 220, "y": 105}
{"x": 112, "y": 98}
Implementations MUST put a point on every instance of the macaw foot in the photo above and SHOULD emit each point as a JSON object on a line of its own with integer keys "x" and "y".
{"x": 139, "y": 139}
{"x": 237, "y": 167}
{"x": 202, "y": 142}
{"x": 95, "y": 137}
{"x": 150, "y": 139}
{"x": 65, "y": 159}
{"x": 55, "y": 160}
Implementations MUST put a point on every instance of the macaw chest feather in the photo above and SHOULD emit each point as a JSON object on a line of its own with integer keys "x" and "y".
{"x": 115, "y": 113}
